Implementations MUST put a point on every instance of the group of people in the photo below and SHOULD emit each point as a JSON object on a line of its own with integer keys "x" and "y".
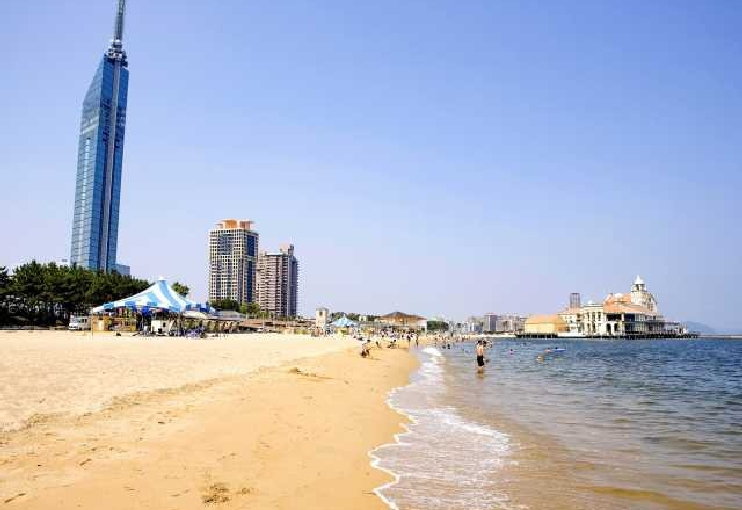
{"x": 390, "y": 338}
{"x": 444, "y": 342}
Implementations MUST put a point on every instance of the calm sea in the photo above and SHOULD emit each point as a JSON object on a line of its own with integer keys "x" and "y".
{"x": 603, "y": 425}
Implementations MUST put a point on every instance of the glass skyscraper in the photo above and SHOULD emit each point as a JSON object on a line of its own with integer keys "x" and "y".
{"x": 99, "y": 158}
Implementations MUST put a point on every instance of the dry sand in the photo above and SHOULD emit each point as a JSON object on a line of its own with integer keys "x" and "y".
{"x": 49, "y": 372}
{"x": 208, "y": 426}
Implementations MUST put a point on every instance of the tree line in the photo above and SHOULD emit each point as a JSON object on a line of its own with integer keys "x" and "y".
{"x": 37, "y": 294}
{"x": 249, "y": 309}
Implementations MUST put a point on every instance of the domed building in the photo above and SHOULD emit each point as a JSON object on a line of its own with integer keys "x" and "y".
{"x": 621, "y": 314}
{"x": 640, "y": 296}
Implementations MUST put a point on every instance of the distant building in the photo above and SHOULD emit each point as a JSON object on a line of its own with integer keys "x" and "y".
{"x": 404, "y": 321}
{"x": 474, "y": 325}
{"x": 620, "y": 314}
{"x": 545, "y": 325}
{"x": 122, "y": 269}
{"x": 322, "y": 318}
{"x": 510, "y": 324}
{"x": 100, "y": 156}
{"x": 233, "y": 253}
{"x": 278, "y": 282}
{"x": 574, "y": 300}
{"x": 490, "y": 323}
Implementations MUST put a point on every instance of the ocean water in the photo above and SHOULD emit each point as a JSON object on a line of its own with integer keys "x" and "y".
{"x": 603, "y": 425}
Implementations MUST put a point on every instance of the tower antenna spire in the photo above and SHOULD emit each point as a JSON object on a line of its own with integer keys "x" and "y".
{"x": 116, "y": 51}
{"x": 118, "y": 27}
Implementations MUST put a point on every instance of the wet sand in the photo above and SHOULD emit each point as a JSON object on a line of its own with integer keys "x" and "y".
{"x": 294, "y": 434}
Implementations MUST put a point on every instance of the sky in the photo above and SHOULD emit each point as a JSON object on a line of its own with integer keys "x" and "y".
{"x": 436, "y": 157}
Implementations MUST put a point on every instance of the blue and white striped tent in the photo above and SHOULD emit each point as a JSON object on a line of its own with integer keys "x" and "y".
{"x": 159, "y": 296}
{"x": 344, "y": 322}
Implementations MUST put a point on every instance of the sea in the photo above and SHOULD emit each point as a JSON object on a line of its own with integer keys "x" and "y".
{"x": 625, "y": 424}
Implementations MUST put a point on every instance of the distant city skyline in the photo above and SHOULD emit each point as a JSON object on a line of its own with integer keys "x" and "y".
{"x": 441, "y": 159}
{"x": 100, "y": 156}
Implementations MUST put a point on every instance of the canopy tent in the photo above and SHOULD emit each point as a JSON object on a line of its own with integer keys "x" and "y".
{"x": 159, "y": 296}
{"x": 344, "y": 322}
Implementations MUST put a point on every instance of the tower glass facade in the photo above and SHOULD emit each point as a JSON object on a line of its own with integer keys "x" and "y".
{"x": 99, "y": 159}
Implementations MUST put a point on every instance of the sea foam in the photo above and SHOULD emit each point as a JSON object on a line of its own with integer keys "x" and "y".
{"x": 442, "y": 460}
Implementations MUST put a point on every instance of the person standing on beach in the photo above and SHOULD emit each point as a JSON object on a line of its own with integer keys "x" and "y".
{"x": 480, "y": 356}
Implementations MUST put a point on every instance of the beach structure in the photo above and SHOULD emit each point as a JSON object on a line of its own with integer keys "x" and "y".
{"x": 321, "y": 318}
{"x": 159, "y": 298}
{"x": 160, "y": 295}
{"x": 545, "y": 325}
{"x": 344, "y": 325}
{"x": 400, "y": 320}
{"x": 344, "y": 322}
{"x": 631, "y": 314}
{"x": 100, "y": 156}
{"x": 278, "y": 282}
{"x": 233, "y": 259}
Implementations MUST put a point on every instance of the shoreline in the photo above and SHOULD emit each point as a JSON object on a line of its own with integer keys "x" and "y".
{"x": 296, "y": 434}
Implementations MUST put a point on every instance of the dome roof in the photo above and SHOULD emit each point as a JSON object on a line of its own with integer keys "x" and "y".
{"x": 638, "y": 280}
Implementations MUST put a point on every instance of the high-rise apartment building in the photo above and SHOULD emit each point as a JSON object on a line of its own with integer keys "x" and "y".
{"x": 233, "y": 261}
{"x": 278, "y": 282}
{"x": 99, "y": 158}
{"x": 490, "y": 323}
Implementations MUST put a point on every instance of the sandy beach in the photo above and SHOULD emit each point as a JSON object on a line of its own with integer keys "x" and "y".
{"x": 240, "y": 422}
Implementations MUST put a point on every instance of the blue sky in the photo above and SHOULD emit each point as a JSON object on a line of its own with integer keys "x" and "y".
{"x": 435, "y": 157}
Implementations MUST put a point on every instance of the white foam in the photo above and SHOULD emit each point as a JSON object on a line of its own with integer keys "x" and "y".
{"x": 433, "y": 352}
{"x": 436, "y": 463}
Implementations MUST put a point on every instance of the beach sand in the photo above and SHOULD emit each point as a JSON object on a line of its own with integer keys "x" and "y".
{"x": 239, "y": 422}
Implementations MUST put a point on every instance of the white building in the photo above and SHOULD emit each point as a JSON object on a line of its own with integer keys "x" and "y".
{"x": 633, "y": 313}
{"x": 233, "y": 252}
{"x": 321, "y": 318}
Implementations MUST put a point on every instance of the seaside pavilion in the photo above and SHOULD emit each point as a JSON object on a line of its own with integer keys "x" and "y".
{"x": 404, "y": 321}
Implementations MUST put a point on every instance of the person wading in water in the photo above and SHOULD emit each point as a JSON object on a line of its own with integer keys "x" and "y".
{"x": 480, "y": 356}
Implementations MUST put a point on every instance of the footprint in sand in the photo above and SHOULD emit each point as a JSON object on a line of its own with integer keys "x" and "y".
{"x": 216, "y": 494}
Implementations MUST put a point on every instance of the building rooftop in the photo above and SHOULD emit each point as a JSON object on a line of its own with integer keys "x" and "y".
{"x": 398, "y": 316}
{"x": 231, "y": 223}
{"x": 544, "y": 319}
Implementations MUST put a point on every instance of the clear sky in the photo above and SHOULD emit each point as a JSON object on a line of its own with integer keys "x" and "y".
{"x": 446, "y": 158}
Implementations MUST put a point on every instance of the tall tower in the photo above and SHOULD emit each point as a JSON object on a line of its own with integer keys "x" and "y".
{"x": 99, "y": 158}
{"x": 233, "y": 254}
{"x": 278, "y": 282}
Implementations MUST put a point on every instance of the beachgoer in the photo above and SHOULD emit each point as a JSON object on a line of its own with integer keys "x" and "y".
{"x": 365, "y": 348}
{"x": 480, "y": 355}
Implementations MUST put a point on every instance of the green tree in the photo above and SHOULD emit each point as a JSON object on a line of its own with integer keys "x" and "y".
{"x": 4, "y": 291}
{"x": 47, "y": 294}
{"x": 225, "y": 304}
{"x": 250, "y": 309}
{"x": 4, "y": 281}
{"x": 181, "y": 289}
{"x": 437, "y": 326}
